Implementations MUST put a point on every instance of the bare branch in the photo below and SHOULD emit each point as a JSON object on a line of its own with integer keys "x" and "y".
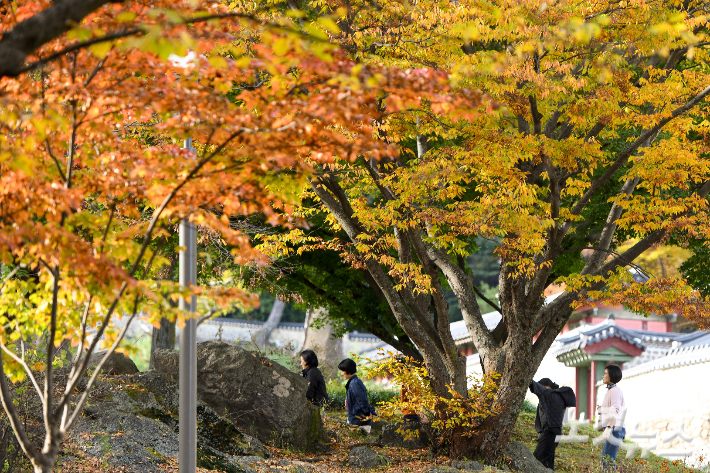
{"x": 49, "y": 373}
{"x": 54, "y": 158}
{"x": 486, "y": 300}
{"x": 14, "y": 419}
{"x": 66, "y": 424}
{"x": 21, "y": 361}
{"x": 609, "y": 230}
{"x": 9, "y": 276}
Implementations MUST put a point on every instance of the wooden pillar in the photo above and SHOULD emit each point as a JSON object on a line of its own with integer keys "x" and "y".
{"x": 592, "y": 409}
{"x": 582, "y": 380}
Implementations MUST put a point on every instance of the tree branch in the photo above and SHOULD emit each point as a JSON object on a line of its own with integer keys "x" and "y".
{"x": 624, "y": 155}
{"x": 14, "y": 419}
{"x": 486, "y": 300}
{"x": 48, "y": 380}
{"x": 29, "y": 35}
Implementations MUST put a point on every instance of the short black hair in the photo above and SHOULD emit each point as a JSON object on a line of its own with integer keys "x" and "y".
{"x": 549, "y": 383}
{"x": 310, "y": 357}
{"x": 348, "y": 366}
{"x": 614, "y": 373}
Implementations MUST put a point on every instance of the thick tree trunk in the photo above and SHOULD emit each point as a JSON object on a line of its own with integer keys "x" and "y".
{"x": 277, "y": 311}
{"x": 328, "y": 349}
{"x": 163, "y": 337}
{"x": 489, "y": 440}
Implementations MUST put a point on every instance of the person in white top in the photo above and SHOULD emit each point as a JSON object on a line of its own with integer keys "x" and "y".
{"x": 612, "y": 412}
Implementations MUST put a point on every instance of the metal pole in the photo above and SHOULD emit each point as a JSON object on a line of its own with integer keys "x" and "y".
{"x": 187, "y": 456}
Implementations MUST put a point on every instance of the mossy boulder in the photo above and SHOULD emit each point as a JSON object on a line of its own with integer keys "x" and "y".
{"x": 131, "y": 422}
{"x": 262, "y": 397}
{"x": 117, "y": 364}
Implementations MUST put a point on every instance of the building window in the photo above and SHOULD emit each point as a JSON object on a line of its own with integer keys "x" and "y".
{"x": 644, "y": 325}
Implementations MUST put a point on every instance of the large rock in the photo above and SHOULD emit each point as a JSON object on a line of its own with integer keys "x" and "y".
{"x": 441, "y": 469}
{"x": 116, "y": 365}
{"x": 131, "y": 423}
{"x": 467, "y": 465}
{"x": 411, "y": 435}
{"x": 262, "y": 397}
{"x": 365, "y": 458}
{"x": 520, "y": 458}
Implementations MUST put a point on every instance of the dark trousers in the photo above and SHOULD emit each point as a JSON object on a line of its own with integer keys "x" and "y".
{"x": 545, "y": 450}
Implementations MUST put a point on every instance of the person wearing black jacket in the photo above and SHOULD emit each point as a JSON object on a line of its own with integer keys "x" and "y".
{"x": 316, "y": 392}
{"x": 554, "y": 401}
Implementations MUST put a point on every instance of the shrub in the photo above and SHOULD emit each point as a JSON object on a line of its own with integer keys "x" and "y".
{"x": 377, "y": 395}
{"x": 451, "y": 414}
{"x": 528, "y": 407}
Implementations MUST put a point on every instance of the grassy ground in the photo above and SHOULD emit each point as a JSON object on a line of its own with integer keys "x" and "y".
{"x": 585, "y": 457}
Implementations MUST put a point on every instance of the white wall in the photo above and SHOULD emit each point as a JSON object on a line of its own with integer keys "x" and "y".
{"x": 660, "y": 401}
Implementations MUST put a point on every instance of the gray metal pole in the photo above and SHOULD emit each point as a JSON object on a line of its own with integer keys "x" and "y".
{"x": 187, "y": 456}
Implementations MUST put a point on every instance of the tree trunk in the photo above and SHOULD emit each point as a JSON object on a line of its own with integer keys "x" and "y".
{"x": 321, "y": 338}
{"x": 163, "y": 337}
{"x": 328, "y": 349}
{"x": 489, "y": 440}
{"x": 43, "y": 468}
{"x": 277, "y": 311}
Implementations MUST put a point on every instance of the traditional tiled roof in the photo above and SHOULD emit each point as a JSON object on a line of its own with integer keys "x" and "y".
{"x": 689, "y": 349}
{"x": 659, "y": 337}
{"x": 587, "y": 335}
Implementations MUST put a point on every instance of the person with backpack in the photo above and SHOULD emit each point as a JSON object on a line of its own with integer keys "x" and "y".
{"x": 316, "y": 392}
{"x": 553, "y": 402}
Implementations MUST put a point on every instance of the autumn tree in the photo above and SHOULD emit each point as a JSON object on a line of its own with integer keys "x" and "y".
{"x": 86, "y": 202}
{"x": 601, "y": 136}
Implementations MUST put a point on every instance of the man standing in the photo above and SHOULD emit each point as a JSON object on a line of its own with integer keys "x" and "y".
{"x": 551, "y": 408}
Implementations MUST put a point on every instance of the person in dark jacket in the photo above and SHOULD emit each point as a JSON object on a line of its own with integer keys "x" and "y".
{"x": 554, "y": 401}
{"x": 316, "y": 392}
{"x": 360, "y": 412}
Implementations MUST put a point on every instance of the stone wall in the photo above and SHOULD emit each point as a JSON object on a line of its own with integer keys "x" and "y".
{"x": 660, "y": 401}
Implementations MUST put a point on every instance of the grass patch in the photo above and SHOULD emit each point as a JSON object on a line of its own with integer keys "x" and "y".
{"x": 376, "y": 395}
{"x": 585, "y": 457}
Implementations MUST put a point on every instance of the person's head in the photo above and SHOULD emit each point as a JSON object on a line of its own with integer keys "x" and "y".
{"x": 309, "y": 359}
{"x": 548, "y": 383}
{"x": 612, "y": 374}
{"x": 347, "y": 368}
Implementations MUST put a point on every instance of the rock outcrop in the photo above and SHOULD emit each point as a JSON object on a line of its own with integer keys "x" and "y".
{"x": 261, "y": 397}
{"x": 117, "y": 364}
{"x": 467, "y": 465}
{"x": 520, "y": 458}
{"x": 411, "y": 435}
{"x": 364, "y": 458}
{"x": 131, "y": 421}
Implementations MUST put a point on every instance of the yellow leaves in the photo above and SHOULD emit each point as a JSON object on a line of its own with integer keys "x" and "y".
{"x": 452, "y": 411}
{"x": 329, "y": 25}
{"x": 217, "y": 61}
{"x": 79, "y": 33}
{"x": 282, "y": 45}
{"x": 126, "y": 16}
{"x": 314, "y": 31}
